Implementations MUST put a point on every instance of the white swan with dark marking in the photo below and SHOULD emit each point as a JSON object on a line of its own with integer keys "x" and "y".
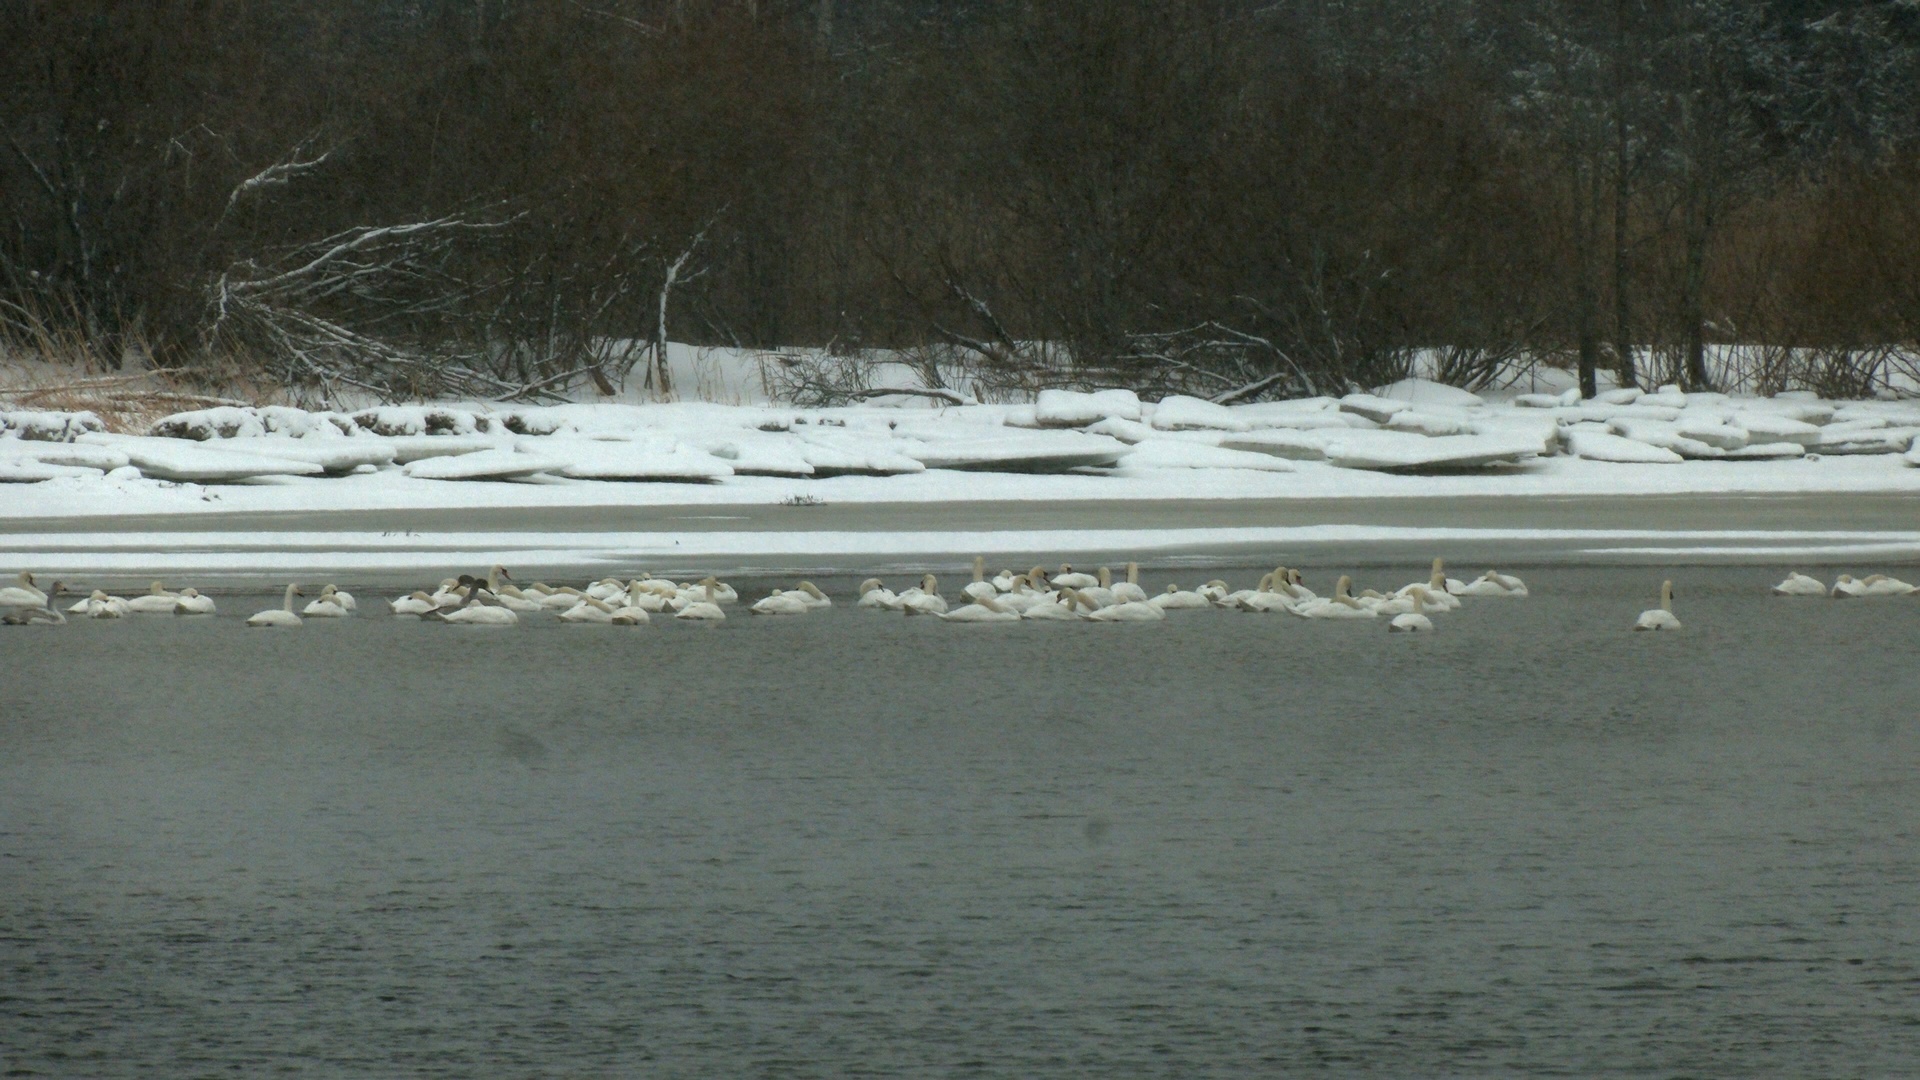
{"x": 158, "y": 601}
{"x": 44, "y": 615}
{"x": 23, "y": 594}
{"x": 1660, "y": 618}
{"x": 281, "y": 616}
{"x": 1798, "y": 584}
{"x": 190, "y": 602}
{"x": 1415, "y": 621}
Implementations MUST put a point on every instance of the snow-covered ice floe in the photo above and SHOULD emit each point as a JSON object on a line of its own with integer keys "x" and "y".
{"x": 1053, "y": 447}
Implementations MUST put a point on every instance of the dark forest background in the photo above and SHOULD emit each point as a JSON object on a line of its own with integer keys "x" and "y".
{"x": 1229, "y": 197}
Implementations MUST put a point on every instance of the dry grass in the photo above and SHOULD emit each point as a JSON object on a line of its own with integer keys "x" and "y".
{"x": 125, "y": 401}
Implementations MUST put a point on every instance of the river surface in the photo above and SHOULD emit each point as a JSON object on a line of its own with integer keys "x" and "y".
{"x": 852, "y": 843}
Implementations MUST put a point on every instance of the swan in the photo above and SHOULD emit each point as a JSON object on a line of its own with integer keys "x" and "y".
{"x": 280, "y": 616}
{"x": 781, "y": 603}
{"x": 590, "y": 610}
{"x": 23, "y": 594}
{"x": 1491, "y": 583}
{"x": 345, "y": 599}
{"x": 631, "y": 616}
{"x": 190, "y": 602}
{"x": 510, "y": 596}
{"x": 1798, "y": 584}
{"x": 560, "y": 599}
{"x": 326, "y": 606}
{"x": 924, "y": 601}
{"x": 1061, "y": 607}
{"x": 46, "y": 613}
{"x": 1341, "y": 605}
{"x": 1004, "y": 580}
{"x": 98, "y": 605}
{"x": 1102, "y": 594}
{"x": 707, "y": 610}
{"x": 874, "y": 594}
{"x": 1128, "y": 611}
{"x": 1415, "y": 621}
{"x": 1272, "y": 595}
{"x": 1214, "y": 590}
{"x": 1871, "y": 585}
{"x": 1173, "y": 599}
{"x": 980, "y": 586}
{"x": 1068, "y": 579}
{"x": 983, "y": 609}
{"x": 417, "y": 603}
{"x": 660, "y": 587}
{"x": 1234, "y": 599}
{"x": 607, "y": 588}
{"x": 158, "y": 601}
{"x": 1660, "y": 618}
{"x": 478, "y": 612}
{"x": 1438, "y": 596}
{"x": 1129, "y": 591}
{"x": 810, "y": 595}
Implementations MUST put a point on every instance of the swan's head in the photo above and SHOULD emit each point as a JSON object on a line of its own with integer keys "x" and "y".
{"x": 929, "y": 585}
{"x": 1345, "y": 586}
{"x": 812, "y": 590}
{"x": 1266, "y": 583}
{"x": 25, "y": 578}
{"x": 57, "y": 588}
{"x": 1037, "y": 575}
{"x": 157, "y": 589}
{"x": 99, "y": 595}
{"x": 1294, "y": 577}
{"x": 328, "y": 590}
{"x": 500, "y": 571}
{"x": 1172, "y": 588}
{"x": 1843, "y": 579}
{"x": 449, "y": 584}
{"x": 869, "y": 585}
{"x": 1216, "y": 583}
{"x": 419, "y": 595}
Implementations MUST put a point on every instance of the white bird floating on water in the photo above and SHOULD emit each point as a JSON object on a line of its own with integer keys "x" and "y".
{"x": 157, "y": 601}
{"x": 1491, "y": 583}
{"x": 24, "y": 594}
{"x": 44, "y": 615}
{"x": 1871, "y": 585}
{"x": 281, "y": 616}
{"x": 707, "y": 610}
{"x": 984, "y": 609}
{"x": 925, "y": 599}
{"x": 190, "y": 602}
{"x": 1798, "y": 584}
{"x": 1415, "y": 621}
{"x": 327, "y": 605}
{"x": 99, "y": 605}
{"x": 780, "y": 603}
{"x": 1660, "y": 618}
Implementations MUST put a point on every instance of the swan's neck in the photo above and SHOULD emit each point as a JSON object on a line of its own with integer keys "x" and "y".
{"x": 979, "y": 568}
{"x": 286, "y": 603}
{"x": 1666, "y": 597}
{"x": 1133, "y": 573}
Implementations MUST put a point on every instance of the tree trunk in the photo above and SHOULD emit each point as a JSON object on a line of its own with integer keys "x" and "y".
{"x": 1587, "y": 298}
{"x": 1693, "y": 298}
{"x": 1625, "y": 374}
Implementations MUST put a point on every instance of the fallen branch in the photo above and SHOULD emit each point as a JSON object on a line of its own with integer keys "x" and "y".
{"x": 951, "y": 397}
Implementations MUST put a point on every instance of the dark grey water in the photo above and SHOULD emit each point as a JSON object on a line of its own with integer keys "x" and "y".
{"x": 854, "y": 843}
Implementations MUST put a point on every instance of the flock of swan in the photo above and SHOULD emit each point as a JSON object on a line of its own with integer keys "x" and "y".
{"x": 1038, "y": 594}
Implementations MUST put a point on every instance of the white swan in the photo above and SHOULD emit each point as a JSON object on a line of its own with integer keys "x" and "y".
{"x": 590, "y": 609}
{"x": 560, "y": 599}
{"x": 1798, "y": 584}
{"x": 811, "y": 595}
{"x": 926, "y": 600}
{"x": 984, "y": 609}
{"x": 23, "y": 594}
{"x": 46, "y": 614}
{"x": 875, "y": 594}
{"x": 1214, "y": 590}
{"x": 1660, "y": 618}
{"x": 607, "y": 588}
{"x": 190, "y": 602}
{"x": 1871, "y": 585}
{"x": 1061, "y": 607}
{"x": 1341, "y": 605}
{"x": 1175, "y": 600}
{"x": 707, "y": 610}
{"x": 980, "y": 586}
{"x": 1415, "y": 621}
{"x": 1491, "y": 583}
{"x": 326, "y": 605}
{"x": 508, "y": 594}
{"x": 1128, "y": 611}
{"x": 158, "y": 601}
{"x": 1102, "y": 594}
{"x": 780, "y": 603}
{"x": 282, "y": 616}
{"x": 1129, "y": 591}
{"x": 1004, "y": 580}
{"x": 1438, "y": 596}
{"x": 1235, "y": 598}
{"x": 1272, "y": 595}
{"x": 1068, "y": 579}
{"x": 478, "y": 612}
{"x": 99, "y": 605}
{"x": 416, "y": 603}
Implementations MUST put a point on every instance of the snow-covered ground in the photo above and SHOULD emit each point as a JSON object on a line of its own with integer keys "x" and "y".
{"x": 1411, "y": 440}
